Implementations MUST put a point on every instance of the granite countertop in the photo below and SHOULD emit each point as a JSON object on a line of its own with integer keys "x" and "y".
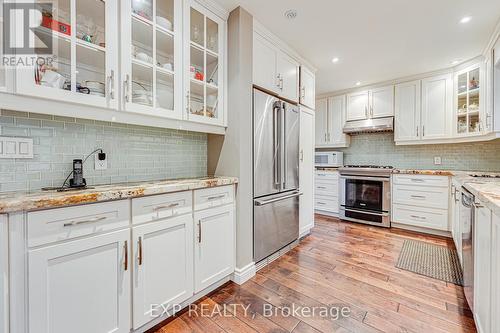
{"x": 424, "y": 172}
{"x": 26, "y": 201}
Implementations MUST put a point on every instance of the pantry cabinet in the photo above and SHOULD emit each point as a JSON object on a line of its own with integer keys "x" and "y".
{"x": 307, "y": 88}
{"x": 151, "y": 57}
{"x": 204, "y": 61}
{"x": 482, "y": 267}
{"x": 82, "y": 64}
{"x": 274, "y": 70}
{"x": 375, "y": 103}
{"x": 161, "y": 279}
{"x": 83, "y": 285}
{"x": 306, "y": 171}
{"x": 214, "y": 245}
{"x": 330, "y": 121}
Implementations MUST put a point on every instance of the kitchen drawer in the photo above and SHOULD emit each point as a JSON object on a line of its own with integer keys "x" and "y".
{"x": 420, "y": 217}
{"x": 326, "y": 176}
{"x": 424, "y": 196}
{"x": 157, "y": 207}
{"x": 54, "y": 225}
{"x": 326, "y": 188}
{"x": 329, "y": 204}
{"x": 213, "y": 197}
{"x": 421, "y": 180}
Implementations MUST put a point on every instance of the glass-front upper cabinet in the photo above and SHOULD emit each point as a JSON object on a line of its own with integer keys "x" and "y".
{"x": 2, "y": 68}
{"x": 469, "y": 101}
{"x": 152, "y": 57}
{"x": 76, "y": 49}
{"x": 204, "y": 64}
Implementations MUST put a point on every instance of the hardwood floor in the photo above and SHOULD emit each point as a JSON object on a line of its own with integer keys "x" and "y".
{"x": 339, "y": 266}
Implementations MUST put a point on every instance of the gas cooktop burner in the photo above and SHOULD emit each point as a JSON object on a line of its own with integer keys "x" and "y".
{"x": 370, "y": 166}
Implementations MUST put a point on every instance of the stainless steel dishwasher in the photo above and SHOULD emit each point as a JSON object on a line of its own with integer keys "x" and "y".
{"x": 467, "y": 219}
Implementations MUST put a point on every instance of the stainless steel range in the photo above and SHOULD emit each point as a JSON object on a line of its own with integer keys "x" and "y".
{"x": 365, "y": 194}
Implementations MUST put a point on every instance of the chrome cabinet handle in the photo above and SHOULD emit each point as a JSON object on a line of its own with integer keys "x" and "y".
{"x": 478, "y": 204}
{"x": 188, "y": 100}
{"x": 417, "y": 130}
{"x": 277, "y": 175}
{"x": 321, "y": 203}
{"x": 303, "y": 94}
{"x": 417, "y": 180}
{"x": 127, "y": 88}
{"x": 326, "y": 137}
{"x": 302, "y": 155}
{"x": 329, "y": 138}
{"x": 418, "y": 196}
{"x": 321, "y": 187}
{"x": 75, "y": 223}
{"x": 199, "y": 231}
{"x": 139, "y": 245}
{"x": 166, "y": 206}
{"x": 457, "y": 194}
{"x": 366, "y": 111}
{"x": 266, "y": 202}
{"x": 125, "y": 264}
{"x": 371, "y": 111}
{"x": 111, "y": 84}
{"x": 278, "y": 81}
{"x": 423, "y": 130}
{"x": 418, "y": 217}
{"x": 216, "y": 197}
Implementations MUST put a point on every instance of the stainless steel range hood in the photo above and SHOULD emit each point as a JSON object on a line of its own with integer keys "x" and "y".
{"x": 370, "y": 125}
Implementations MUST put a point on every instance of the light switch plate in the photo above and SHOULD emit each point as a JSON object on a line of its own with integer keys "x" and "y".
{"x": 437, "y": 160}
{"x": 100, "y": 165}
{"x": 12, "y": 147}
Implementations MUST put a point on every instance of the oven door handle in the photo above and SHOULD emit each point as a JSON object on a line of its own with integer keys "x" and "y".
{"x": 365, "y": 212}
{"x": 382, "y": 179}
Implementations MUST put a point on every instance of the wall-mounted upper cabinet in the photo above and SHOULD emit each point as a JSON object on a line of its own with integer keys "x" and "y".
{"x": 407, "y": 107}
{"x": 330, "y": 121}
{"x": 274, "y": 70}
{"x": 84, "y": 65}
{"x": 307, "y": 88}
{"x": 369, "y": 104}
{"x": 152, "y": 57}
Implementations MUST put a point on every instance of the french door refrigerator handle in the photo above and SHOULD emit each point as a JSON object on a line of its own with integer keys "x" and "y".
{"x": 277, "y": 180}
{"x": 284, "y": 154}
{"x": 267, "y": 202}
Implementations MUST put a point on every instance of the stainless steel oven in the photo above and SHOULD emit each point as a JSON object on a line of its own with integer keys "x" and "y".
{"x": 365, "y": 195}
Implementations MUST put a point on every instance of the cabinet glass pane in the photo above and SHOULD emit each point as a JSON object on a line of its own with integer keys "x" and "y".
{"x": 462, "y": 83}
{"x": 212, "y": 76}
{"x": 197, "y": 98}
{"x": 468, "y": 102}
{"x": 142, "y": 85}
{"x": 197, "y": 68}
{"x": 212, "y": 102}
{"x": 142, "y": 41}
{"x": 197, "y": 27}
{"x": 90, "y": 71}
{"x": 165, "y": 91}
{"x": 90, "y": 24}
{"x": 165, "y": 51}
{"x": 143, "y": 8}
{"x": 165, "y": 14}
{"x": 212, "y": 36}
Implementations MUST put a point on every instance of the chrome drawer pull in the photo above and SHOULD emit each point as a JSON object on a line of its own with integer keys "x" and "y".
{"x": 216, "y": 197}
{"x": 418, "y": 217}
{"x": 74, "y": 223}
{"x": 166, "y": 206}
{"x": 322, "y": 187}
{"x": 418, "y": 196}
{"x": 199, "y": 231}
{"x": 321, "y": 203}
{"x": 125, "y": 248}
{"x": 417, "y": 180}
{"x": 139, "y": 258}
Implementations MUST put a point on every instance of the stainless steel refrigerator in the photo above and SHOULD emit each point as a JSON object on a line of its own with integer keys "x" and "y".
{"x": 275, "y": 173}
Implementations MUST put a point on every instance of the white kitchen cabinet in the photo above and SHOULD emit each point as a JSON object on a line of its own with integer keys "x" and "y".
{"x": 288, "y": 71}
{"x": 456, "y": 228}
{"x": 326, "y": 192}
{"x": 437, "y": 101}
{"x": 82, "y": 286}
{"x": 482, "y": 268}
{"x": 357, "y": 106}
{"x": 4, "y": 274}
{"x": 306, "y": 171}
{"x": 321, "y": 121}
{"x": 382, "y": 102}
{"x": 151, "y": 57}
{"x": 307, "y": 88}
{"x": 274, "y": 70}
{"x": 204, "y": 63}
{"x": 163, "y": 266}
{"x": 330, "y": 121}
{"x": 214, "y": 247}
{"x": 495, "y": 274}
{"x": 407, "y": 111}
{"x": 85, "y": 45}
{"x": 470, "y": 108}
{"x": 421, "y": 201}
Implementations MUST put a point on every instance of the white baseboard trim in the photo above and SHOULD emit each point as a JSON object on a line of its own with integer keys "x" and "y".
{"x": 242, "y": 275}
{"x": 422, "y": 230}
{"x": 322, "y": 212}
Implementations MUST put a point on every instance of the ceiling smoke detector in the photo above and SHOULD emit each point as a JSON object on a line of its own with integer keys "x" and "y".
{"x": 291, "y": 14}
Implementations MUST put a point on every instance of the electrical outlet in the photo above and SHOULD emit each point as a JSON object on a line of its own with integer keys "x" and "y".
{"x": 100, "y": 165}
{"x": 437, "y": 160}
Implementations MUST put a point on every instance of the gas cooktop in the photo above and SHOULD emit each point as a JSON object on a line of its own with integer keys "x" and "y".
{"x": 369, "y": 166}
{"x": 484, "y": 176}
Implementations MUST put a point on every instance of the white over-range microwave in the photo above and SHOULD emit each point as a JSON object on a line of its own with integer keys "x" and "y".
{"x": 329, "y": 159}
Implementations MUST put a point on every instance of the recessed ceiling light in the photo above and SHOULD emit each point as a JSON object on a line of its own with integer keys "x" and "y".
{"x": 358, "y": 83}
{"x": 335, "y": 60}
{"x": 291, "y": 14}
{"x": 465, "y": 19}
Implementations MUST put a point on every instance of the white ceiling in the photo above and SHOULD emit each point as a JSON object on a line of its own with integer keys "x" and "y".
{"x": 377, "y": 40}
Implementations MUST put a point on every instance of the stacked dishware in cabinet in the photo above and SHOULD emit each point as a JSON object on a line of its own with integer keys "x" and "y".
{"x": 326, "y": 192}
